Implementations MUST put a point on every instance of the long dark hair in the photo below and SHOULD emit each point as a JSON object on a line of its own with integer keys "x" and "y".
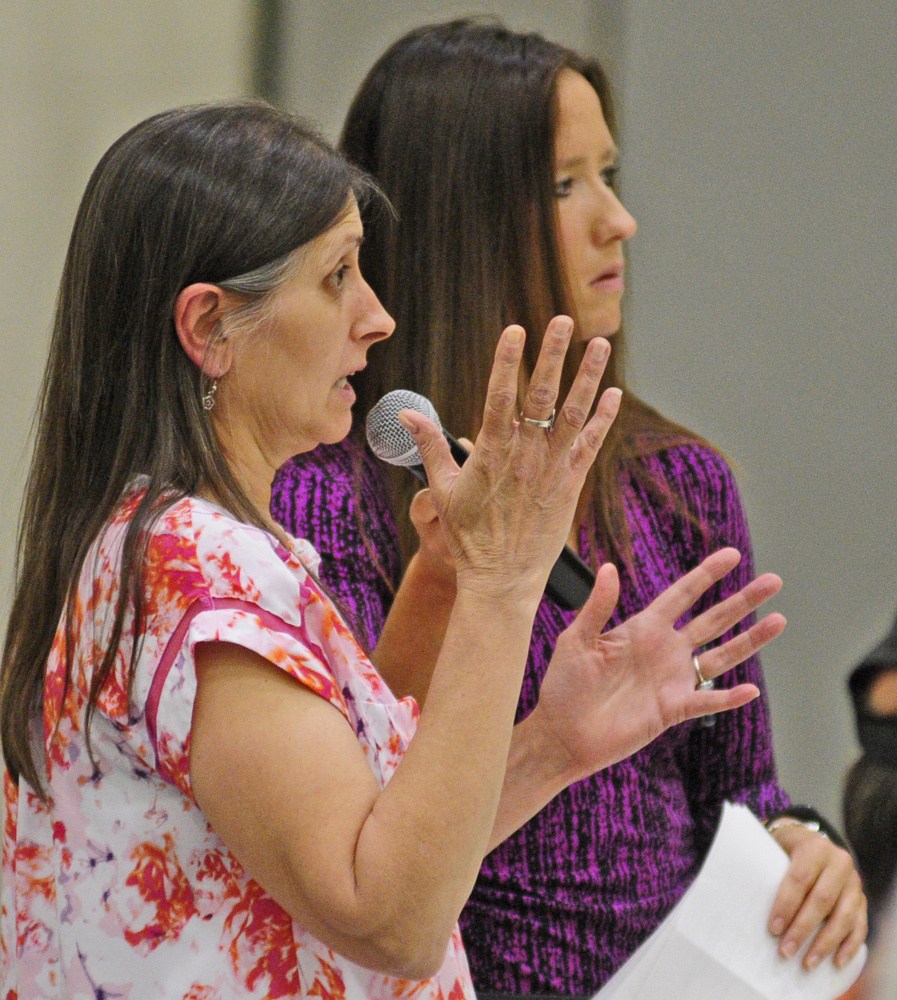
{"x": 457, "y": 122}
{"x": 200, "y": 194}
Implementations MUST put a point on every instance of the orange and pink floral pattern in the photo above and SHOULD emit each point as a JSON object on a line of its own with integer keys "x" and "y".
{"x": 120, "y": 888}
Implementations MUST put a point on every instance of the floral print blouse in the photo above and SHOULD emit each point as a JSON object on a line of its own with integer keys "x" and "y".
{"x": 119, "y": 888}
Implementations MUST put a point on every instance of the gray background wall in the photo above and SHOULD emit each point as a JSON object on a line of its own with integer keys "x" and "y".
{"x": 73, "y": 77}
{"x": 760, "y": 148}
{"x": 759, "y": 142}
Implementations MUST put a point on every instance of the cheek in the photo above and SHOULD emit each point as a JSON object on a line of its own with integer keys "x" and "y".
{"x": 568, "y": 241}
{"x": 570, "y": 250}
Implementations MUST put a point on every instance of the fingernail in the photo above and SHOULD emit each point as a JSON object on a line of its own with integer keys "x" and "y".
{"x": 812, "y": 961}
{"x": 789, "y": 948}
{"x": 408, "y": 423}
{"x": 514, "y": 335}
{"x": 602, "y": 349}
{"x": 778, "y": 925}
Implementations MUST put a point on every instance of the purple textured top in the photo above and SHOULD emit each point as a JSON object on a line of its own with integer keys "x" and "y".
{"x": 562, "y": 903}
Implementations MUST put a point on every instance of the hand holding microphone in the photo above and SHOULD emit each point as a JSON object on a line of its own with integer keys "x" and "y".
{"x": 570, "y": 581}
{"x": 511, "y": 507}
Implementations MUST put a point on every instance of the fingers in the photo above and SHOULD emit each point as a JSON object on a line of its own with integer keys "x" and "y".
{"x": 854, "y": 940}
{"x": 499, "y": 413}
{"x": 712, "y": 702}
{"x": 542, "y": 393}
{"x": 578, "y": 404}
{"x": 844, "y": 930}
{"x": 433, "y": 549}
{"x": 592, "y": 436}
{"x": 717, "y": 661}
{"x": 433, "y": 447}
{"x": 422, "y": 510}
{"x": 721, "y": 617}
{"x": 820, "y": 887}
{"x": 681, "y": 595}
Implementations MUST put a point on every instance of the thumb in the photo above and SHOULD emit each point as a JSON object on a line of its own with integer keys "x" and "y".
{"x": 433, "y": 447}
{"x": 600, "y": 606}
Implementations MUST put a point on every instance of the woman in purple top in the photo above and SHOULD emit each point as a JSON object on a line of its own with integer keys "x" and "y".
{"x": 496, "y": 150}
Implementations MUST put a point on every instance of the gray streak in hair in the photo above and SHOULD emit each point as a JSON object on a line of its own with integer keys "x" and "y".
{"x": 266, "y": 278}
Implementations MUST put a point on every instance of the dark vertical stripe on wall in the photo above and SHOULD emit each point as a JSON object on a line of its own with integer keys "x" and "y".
{"x": 268, "y": 45}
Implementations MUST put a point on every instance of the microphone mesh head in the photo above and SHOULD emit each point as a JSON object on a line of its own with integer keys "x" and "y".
{"x": 388, "y": 439}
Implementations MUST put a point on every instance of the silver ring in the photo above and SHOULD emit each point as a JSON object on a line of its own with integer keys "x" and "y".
{"x": 704, "y": 683}
{"x": 546, "y": 425}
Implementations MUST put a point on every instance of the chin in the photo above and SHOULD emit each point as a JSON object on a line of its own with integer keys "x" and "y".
{"x": 584, "y": 332}
{"x": 336, "y": 433}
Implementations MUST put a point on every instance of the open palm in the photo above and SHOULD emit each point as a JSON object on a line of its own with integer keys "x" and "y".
{"x": 607, "y": 694}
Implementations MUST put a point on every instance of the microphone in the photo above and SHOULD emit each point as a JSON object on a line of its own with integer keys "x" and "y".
{"x": 570, "y": 581}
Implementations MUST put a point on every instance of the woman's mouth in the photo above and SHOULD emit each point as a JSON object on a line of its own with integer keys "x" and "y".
{"x": 344, "y": 387}
{"x": 610, "y": 280}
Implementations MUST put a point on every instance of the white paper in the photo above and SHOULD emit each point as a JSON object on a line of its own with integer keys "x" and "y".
{"x": 715, "y": 945}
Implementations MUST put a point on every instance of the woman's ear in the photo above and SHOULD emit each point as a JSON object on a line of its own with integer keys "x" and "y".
{"x": 197, "y": 320}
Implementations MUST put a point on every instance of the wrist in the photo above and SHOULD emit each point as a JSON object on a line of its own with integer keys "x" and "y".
{"x": 501, "y": 592}
{"x": 535, "y": 748}
{"x": 806, "y": 817}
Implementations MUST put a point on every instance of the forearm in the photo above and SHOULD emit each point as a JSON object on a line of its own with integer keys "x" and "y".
{"x": 380, "y": 875}
{"x": 537, "y": 770}
{"x": 415, "y": 629}
{"x": 433, "y": 822}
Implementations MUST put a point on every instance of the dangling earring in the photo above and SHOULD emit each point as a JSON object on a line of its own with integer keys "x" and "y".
{"x": 208, "y": 401}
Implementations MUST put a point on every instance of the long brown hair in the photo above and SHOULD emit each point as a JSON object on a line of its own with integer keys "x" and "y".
{"x": 456, "y": 122}
{"x": 202, "y": 194}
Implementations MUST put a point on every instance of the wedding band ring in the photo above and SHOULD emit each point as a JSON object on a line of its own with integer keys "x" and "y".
{"x": 703, "y": 683}
{"x": 546, "y": 425}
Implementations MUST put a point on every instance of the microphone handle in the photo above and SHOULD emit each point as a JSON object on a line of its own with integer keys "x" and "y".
{"x": 570, "y": 581}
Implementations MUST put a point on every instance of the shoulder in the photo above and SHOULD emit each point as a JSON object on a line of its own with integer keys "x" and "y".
{"x": 331, "y": 473}
{"x": 686, "y": 496}
{"x": 691, "y": 465}
{"x": 199, "y": 550}
{"x": 697, "y": 474}
{"x": 313, "y": 491}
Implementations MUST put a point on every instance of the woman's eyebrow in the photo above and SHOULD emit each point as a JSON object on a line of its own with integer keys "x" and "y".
{"x": 350, "y": 241}
{"x": 608, "y": 158}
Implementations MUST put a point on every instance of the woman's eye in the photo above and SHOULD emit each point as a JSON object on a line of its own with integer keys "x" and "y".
{"x": 339, "y": 275}
{"x": 609, "y": 176}
{"x": 563, "y": 187}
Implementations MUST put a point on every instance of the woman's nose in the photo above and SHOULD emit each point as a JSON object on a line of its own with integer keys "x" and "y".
{"x": 375, "y": 323}
{"x": 612, "y": 221}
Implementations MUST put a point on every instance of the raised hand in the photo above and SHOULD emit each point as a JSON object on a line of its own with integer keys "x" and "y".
{"x": 607, "y": 695}
{"x": 507, "y": 513}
